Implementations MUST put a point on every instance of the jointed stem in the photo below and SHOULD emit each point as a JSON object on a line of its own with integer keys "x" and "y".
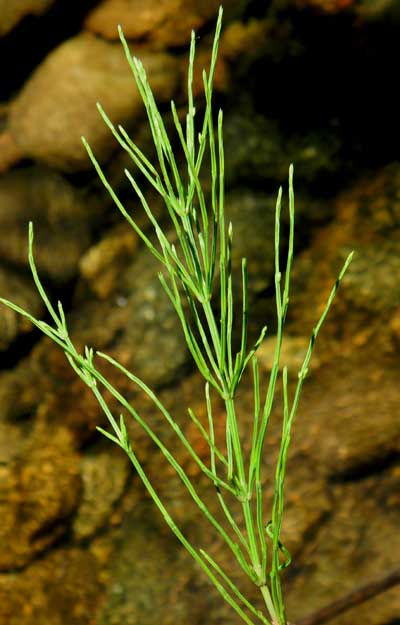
{"x": 188, "y": 277}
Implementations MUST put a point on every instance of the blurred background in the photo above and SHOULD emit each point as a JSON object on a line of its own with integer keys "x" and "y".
{"x": 313, "y": 82}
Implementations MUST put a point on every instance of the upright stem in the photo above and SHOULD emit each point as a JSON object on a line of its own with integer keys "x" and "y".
{"x": 270, "y": 606}
{"x": 256, "y": 561}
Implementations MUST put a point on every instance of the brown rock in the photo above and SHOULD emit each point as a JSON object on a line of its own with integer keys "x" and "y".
{"x": 326, "y": 6}
{"x": 293, "y": 351}
{"x": 365, "y": 9}
{"x": 351, "y": 405}
{"x": 162, "y": 22}
{"x": 358, "y": 543}
{"x": 61, "y": 215}
{"x": 39, "y": 490}
{"x": 349, "y": 420}
{"x": 21, "y": 390}
{"x": 104, "y": 472}
{"x": 12, "y": 11}
{"x": 61, "y": 588}
{"x": 141, "y": 556}
{"x": 58, "y": 103}
{"x": 10, "y": 152}
{"x": 370, "y": 10}
{"x": 22, "y": 292}
{"x": 101, "y": 265}
{"x": 364, "y": 313}
{"x": 243, "y": 38}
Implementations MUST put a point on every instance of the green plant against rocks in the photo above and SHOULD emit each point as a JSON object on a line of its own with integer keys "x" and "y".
{"x": 197, "y": 278}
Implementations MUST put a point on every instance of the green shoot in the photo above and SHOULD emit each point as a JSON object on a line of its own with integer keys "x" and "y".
{"x": 197, "y": 277}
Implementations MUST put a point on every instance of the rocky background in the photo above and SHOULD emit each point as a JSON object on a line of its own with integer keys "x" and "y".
{"x": 308, "y": 81}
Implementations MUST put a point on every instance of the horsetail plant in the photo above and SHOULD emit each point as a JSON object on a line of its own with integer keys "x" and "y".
{"x": 198, "y": 273}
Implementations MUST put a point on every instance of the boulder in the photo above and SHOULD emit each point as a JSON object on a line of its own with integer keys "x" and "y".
{"x": 13, "y": 11}
{"x": 61, "y": 215}
{"x": 165, "y": 23}
{"x": 23, "y": 292}
{"x": 39, "y": 490}
{"x": 60, "y": 588}
{"x": 58, "y": 102}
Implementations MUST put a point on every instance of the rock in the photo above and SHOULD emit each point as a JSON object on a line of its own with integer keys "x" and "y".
{"x": 253, "y": 216}
{"x": 252, "y": 213}
{"x": 345, "y": 553}
{"x": 21, "y": 390}
{"x": 257, "y": 150}
{"x": 366, "y": 221}
{"x": 39, "y": 491}
{"x": 101, "y": 265}
{"x": 22, "y": 292}
{"x": 12, "y": 441}
{"x": 293, "y": 351}
{"x": 164, "y": 24}
{"x": 342, "y": 427}
{"x": 376, "y": 9}
{"x": 350, "y": 414}
{"x": 104, "y": 473}
{"x": 10, "y": 152}
{"x": 61, "y": 588}
{"x": 326, "y": 6}
{"x": 138, "y": 327}
{"x": 239, "y": 37}
{"x": 61, "y": 215}
{"x": 142, "y": 328}
{"x": 367, "y": 10}
{"x": 58, "y": 103}
{"x": 13, "y": 11}
{"x": 141, "y": 556}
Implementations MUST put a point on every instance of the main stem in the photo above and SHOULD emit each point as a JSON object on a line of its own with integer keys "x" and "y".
{"x": 270, "y": 606}
{"x": 247, "y": 510}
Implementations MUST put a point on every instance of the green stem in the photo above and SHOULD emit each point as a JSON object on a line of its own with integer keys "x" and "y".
{"x": 244, "y": 497}
{"x": 270, "y": 606}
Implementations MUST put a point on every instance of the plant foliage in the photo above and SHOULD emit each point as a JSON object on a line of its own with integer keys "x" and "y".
{"x": 197, "y": 278}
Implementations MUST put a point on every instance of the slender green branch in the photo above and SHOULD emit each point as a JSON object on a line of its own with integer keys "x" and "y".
{"x": 202, "y": 246}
